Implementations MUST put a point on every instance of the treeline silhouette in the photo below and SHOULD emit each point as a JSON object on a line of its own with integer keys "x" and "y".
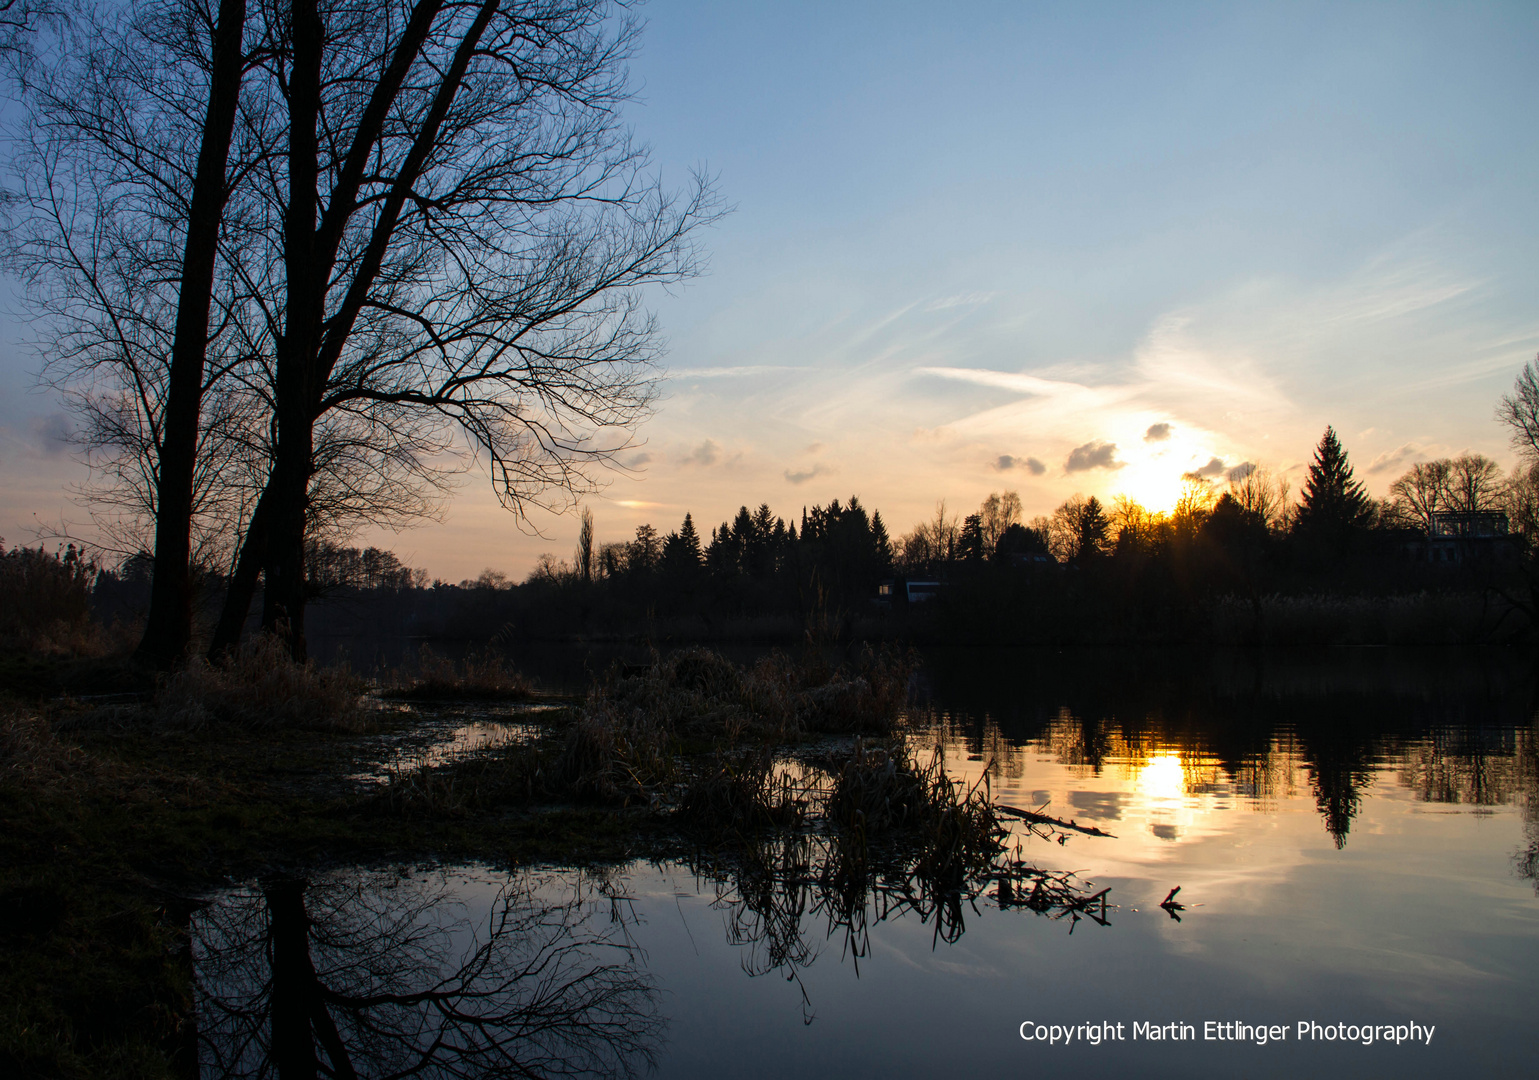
{"x": 1237, "y": 561}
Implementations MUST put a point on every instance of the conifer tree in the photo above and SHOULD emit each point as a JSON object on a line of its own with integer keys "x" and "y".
{"x": 682, "y": 556}
{"x": 1334, "y": 506}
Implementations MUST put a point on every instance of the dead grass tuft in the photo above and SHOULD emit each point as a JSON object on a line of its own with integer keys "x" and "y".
{"x": 30, "y": 753}
{"x": 616, "y": 754}
{"x": 259, "y": 686}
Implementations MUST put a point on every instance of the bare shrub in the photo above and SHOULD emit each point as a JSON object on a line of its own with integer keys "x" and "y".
{"x": 261, "y": 686}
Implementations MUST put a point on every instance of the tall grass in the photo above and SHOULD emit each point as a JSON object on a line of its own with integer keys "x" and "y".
{"x": 260, "y": 686}
{"x": 45, "y": 601}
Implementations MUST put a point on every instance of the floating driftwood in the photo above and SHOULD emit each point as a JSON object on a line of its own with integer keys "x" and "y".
{"x": 1033, "y": 818}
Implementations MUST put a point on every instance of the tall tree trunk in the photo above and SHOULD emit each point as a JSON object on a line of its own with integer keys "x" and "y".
{"x": 283, "y": 599}
{"x": 169, "y": 625}
{"x": 310, "y": 347}
{"x": 242, "y": 587}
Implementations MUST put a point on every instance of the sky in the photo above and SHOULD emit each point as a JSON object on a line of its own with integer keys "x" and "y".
{"x": 1047, "y": 248}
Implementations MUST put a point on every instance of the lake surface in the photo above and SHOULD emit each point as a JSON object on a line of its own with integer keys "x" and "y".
{"x": 1353, "y": 836}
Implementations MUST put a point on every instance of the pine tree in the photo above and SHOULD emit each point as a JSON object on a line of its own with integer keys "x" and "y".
{"x": 1334, "y": 505}
{"x": 681, "y": 552}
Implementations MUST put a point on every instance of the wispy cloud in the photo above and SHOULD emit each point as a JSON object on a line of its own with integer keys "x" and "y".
{"x": 738, "y": 370}
{"x": 707, "y": 453}
{"x": 802, "y": 476}
{"x": 1397, "y": 458}
{"x": 960, "y": 300}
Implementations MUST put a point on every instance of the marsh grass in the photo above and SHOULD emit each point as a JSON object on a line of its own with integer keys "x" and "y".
{"x": 746, "y": 788}
{"x": 260, "y": 686}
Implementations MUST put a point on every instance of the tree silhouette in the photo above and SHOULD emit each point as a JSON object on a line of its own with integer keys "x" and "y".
{"x": 1334, "y": 506}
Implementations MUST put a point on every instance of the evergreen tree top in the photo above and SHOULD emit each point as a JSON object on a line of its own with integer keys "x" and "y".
{"x": 1332, "y": 501}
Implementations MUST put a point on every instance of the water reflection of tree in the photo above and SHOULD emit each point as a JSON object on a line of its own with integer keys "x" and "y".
{"x": 1527, "y": 858}
{"x": 372, "y": 975}
{"x": 785, "y": 893}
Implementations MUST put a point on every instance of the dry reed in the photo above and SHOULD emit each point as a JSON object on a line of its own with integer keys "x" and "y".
{"x": 260, "y": 686}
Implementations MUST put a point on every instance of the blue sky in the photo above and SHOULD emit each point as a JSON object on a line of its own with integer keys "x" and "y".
{"x": 997, "y": 234}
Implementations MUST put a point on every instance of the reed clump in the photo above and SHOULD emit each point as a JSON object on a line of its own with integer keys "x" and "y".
{"x": 884, "y": 787}
{"x": 740, "y": 789}
{"x": 615, "y": 754}
{"x": 867, "y": 696}
{"x": 259, "y": 686}
{"x": 482, "y": 676}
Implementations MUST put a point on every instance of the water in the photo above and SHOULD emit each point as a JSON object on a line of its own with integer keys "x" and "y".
{"x": 1354, "y": 839}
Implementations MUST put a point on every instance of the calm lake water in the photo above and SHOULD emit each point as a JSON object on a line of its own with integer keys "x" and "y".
{"x": 1353, "y": 836}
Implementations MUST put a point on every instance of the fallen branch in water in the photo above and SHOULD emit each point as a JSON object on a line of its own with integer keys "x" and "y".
{"x": 1172, "y": 905}
{"x": 1034, "y": 818}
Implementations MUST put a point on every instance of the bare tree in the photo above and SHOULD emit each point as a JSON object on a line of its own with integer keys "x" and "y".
{"x": 1136, "y": 528}
{"x": 464, "y": 226}
{"x": 1257, "y": 491}
{"x": 997, "y": 514}
{"x": 126, "y": 175}
{"x": 1519, "y": 410}
{"x": 931, "y": 543}
{"x": 1522, "y": 505}
{"x": 1421, "y": 492}
{"x": 1474, "y": 484}
{"x": 431, "y": 231}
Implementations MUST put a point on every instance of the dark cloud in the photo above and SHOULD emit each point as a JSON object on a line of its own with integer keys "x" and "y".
{"x": 1157, "y": 433}
{"x": 1006, "y": 462}
{"x": 1241, "y": 471}
{"x": 1214, "y": 468}
{"x": 1093, "y": 455}
{"x": 704, "y": 454}
{"x": 50, "y": 434}
{"x": 806, "y": 474}
{"x": 638, "y": 460}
